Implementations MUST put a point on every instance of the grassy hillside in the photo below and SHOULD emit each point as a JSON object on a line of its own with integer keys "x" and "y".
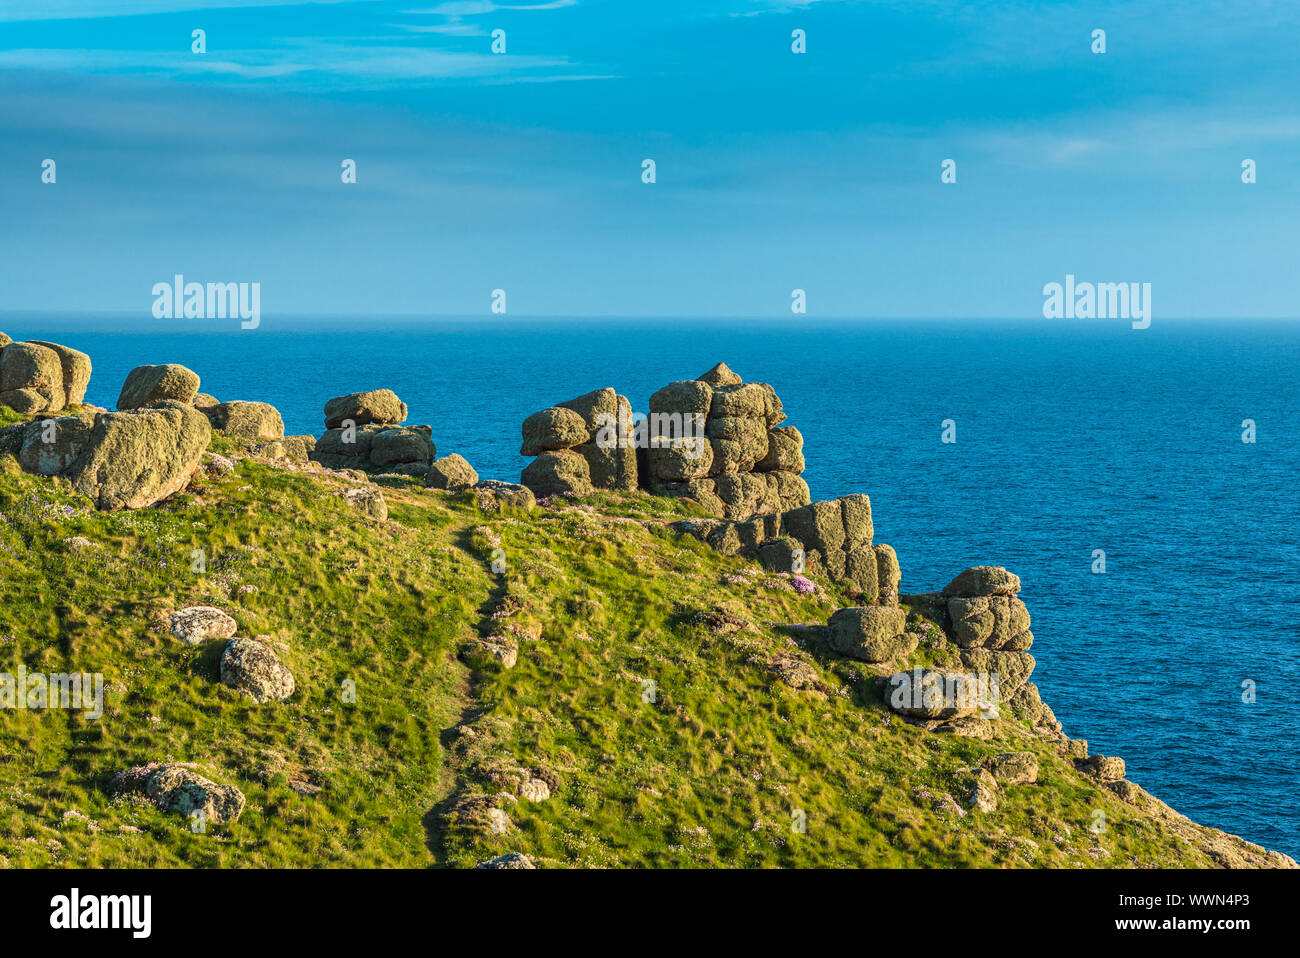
{"x": 647, "y": 697}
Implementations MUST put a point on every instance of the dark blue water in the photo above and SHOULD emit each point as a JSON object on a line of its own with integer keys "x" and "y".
{"x": 1071, "y": 437}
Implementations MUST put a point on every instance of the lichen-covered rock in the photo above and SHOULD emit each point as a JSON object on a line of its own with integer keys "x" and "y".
{"x": 199, "y": 623}
{"x": 784, "y": 451}
{"x": 5, "y": 340}
{"x": 50, "y": 446}
{"x": 367, "y": 499}
{"x": 204, "y": 399}
{"x": 553, "y": 429}
{"x": 721, "y": 375}
{"x": 819, "y": 526}
{"x": 496, "y": 650}
{"x": 855, "y": 510}
{"x": 494, "y": 495}
{"x": 933, "y": 694}
{"x": 610, "y": 453}
{"x": 558, "y": 471}
{"x": 992, "y": 621}
{"x": 379, "y": 406}
{"x": 744, "y": 401}
{"x": 871, "y": 633}
{"x": 75, "y": 367}
{"x": 860, "y": 568}
{"x": 246, "y": 420}
{"x": 177, "y": 787}
{"x": 745, "y": 494}
{"x": 680, "y": 459}
{"x": 451, "y": 473}
{"x": 783, "y": 555}
{"x": 253, "y": 668}
{"x": 690, "y": 397}
{"x": 888, "y": 575}
{"x": 1012, "y": 668}
{"x": 983, "y": 792}
{"x": 402, "y": 444}
{"x": 1013, "y": 768}
{"x": 982, "y": 580}
{"x": 133, "y": 459}
{"x": 31, "y": 378}
{"x": 150, "y": 384}
{"x": 508, "y": 860}
{"x": 1105, "y": 768}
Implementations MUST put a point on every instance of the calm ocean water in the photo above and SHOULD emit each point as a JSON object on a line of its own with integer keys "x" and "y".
{"x": 1071, "y": 437}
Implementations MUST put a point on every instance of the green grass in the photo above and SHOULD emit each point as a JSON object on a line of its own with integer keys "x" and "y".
{"x": 710, "y": 770}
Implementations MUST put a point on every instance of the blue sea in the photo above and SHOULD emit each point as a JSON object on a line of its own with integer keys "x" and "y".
{"x": 1071, "y": 437}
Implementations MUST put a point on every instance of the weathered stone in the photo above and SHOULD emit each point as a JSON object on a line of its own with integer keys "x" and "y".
{"x": 745, "y": 494}
{"x": 1013, "y": 768}
{"x": 29, "y": 371}
{"x": 679, "y": 460}
{"x": 558, "y": 471}
{"x": 553, "y": 429}
{"x": 784, "y": 451}
{"x": 67, "y": 437}
{"x": 200, "y": 623}
{"x": 871, "y": 633}
{"x": 745, "y": 401}
{"x": 782, "y": 555}
{"x": 133, "y": 459}
{"x": 992, "y": 621}
{"x": 246, "y": 420}
{"x": 179, "y": 789}
{"x": 367, "y": 499}
{"x": 253, "y": 668}
{"x": 1106, "y": 768}
{"x": 1013, "y": 668}
{"x": 856, "y": 512}
{"x": 451, "y": 472}
{"x": 983, "y": 580}
{"x": 610, "y": 453}
{"x": 393, "y": 445}
{"x": 378, "y": 406}
{"x": 494, "y": 495}
{"x": 687, "y": 398}
{"x": 204, "y": 399}
{"x": 720, "y": 375}
{"x": 150, "y": 384}
{"x": 983, "y": 792}
{"x": 932, "y": 693}
{"x": 508, "y": 860}
{"x": 818, "y": 526}
{"x": 888, "y": 575}
{"x": 75, "y": 372}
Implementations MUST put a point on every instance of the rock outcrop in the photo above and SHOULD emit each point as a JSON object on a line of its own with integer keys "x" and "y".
{"x": 150, "y": 384}
{"x": 451, "y": 473}
{"x": 379, "y": 407}
{"x": 253, "y": 668}
{"x": 120, "y": 460}
{"x": 177, "y": 787}
{"x": 581, "y": 445}
{"x": 362, "y": 432}
{"x": 245, "y": 420}
{"x": 199, "y": 623}
{"x": 41, "y": 377}
{"x": 718, "y": 441}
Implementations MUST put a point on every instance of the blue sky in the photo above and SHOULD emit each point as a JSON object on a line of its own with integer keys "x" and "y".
{"x": 522, "y": 171}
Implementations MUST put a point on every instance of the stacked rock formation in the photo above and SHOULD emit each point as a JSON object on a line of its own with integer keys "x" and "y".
{"x": 363, "y": 431}
{"x": 581, "y": 445}
{"x": 990, "y": 625}
{"x": 831, "y": 538}
{"x": 121, "y": 460}
{"x": 146, "y": 385}
{"x": 744, "y": 464}
{"x": 39, "y": 377}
